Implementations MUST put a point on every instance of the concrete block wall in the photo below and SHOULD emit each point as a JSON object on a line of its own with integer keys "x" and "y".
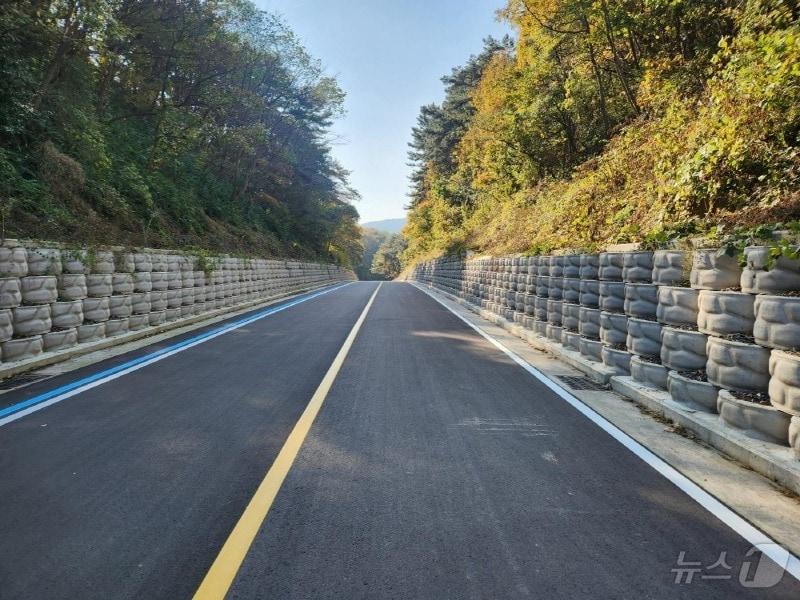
{"x": 719, "y": 338}
{"x": 53, "y": 298}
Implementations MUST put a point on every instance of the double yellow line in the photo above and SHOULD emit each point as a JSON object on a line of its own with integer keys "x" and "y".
{"x": 220, "y": 576}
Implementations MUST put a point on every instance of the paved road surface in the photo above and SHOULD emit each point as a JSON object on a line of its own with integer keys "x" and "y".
{"x": 436, "y": 468}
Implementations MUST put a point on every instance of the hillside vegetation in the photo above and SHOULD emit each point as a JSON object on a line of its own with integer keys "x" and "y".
{"x": 193, "y": 123}
{"x": 613, "y": 121}
{"x": 382, "y": 254}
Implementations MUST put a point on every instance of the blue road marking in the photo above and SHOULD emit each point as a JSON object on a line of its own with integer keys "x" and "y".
{"x": 94, "y": 378}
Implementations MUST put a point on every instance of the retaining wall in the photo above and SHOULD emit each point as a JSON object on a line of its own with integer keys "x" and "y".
{"x": 718, "y": 338}
{"x": 54, "y": 298}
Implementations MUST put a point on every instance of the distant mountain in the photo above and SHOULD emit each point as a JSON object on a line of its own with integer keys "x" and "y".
{"x": 390, "y": 225}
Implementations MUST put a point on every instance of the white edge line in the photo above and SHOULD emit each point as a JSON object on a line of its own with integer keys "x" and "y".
{"x": 141, "y": 365}
{"x": 769, "y": 547}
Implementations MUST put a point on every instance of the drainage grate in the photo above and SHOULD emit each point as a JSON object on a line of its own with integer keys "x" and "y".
{"x": 20, "y": 380}
{"x": 582, "y": 383}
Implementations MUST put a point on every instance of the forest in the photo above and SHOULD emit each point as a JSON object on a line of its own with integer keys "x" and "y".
{"x": 613, "y": 121}
{"x": 196, "y": 123}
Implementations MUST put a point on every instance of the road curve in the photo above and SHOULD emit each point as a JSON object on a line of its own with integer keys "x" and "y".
{"x": 436, "y": 468}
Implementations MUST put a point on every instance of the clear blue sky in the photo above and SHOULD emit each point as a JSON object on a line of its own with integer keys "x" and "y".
{"x": 388, "y": 56}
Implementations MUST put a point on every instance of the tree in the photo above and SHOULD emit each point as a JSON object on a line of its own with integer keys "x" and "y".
{"x": 387, "y": 261}
{"x": 197, "y": 122}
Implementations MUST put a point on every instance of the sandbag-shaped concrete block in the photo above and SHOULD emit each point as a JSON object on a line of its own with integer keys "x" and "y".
{"x": 6, "y": 324}
{"x": 784, "y": 381}
{"x": 570, "y": 316}
{"x": 96, "y": 310}
{"x": 190, "y": 295}
{"x": 777, "y": 321}
{"x": 99, "y": 285}
{"x": 72, "y": 286}
{"x": 44, "y": 261}
{"x": 683, "y": 350}
{"x": 10, "y": 292}
{"x": 766, "y": 275}
{"x": 677, "y": 305}
{"x": 174, "y": 280}
{"x": 617, "y": 359}
{"x": 610, "y": 267}
{"x": 91, "y": 332}
{"x": 122, "y": 283}
{"x": 159, "y": 262}
{"x": 571, "y": 290}
{"x": 571, "y": 339}
{"x": 158, "y": 317}
{"x": 695, "y": 394}
{"x": 60, "y": 339}
{"x": 142, "y": 281}
{"x": 794, "y": 435}
{"x": 590, "y": 266}
{"x": 589, "y": 325}
{"x": 644, "y": 338}
{"x": 641, "y": 300}
{"x": 637, "y": 267}
{"x": 589, "y": 293}
{"x": 173, "y": 314}
{"x": 542, "y": 286}
{"x": 31, "y": 320}
{"x": 140, "y": 303}
{"x": 159, "y": 281}
{"x": 649, "y": 373}
{"x": 554, "y": 308}
{"x": 556, "y": 289}
{"x": 13, "y": 260}
{"x": 158, "y": 301}
{"x": 142, "y": 262}
{"x": 116, "y": 327}
{"x": 557, "y": 266}
{"x": 540, "y": 308}
{"x": 67, "y": 314}
{"x": 101, "y": 262}
{"x": 21, "y": 348}
{"x": 572, "y": 266}
{"x": 140, "y": 321}
{"x": 543, "y": 267}
{"x": 613, "y": 328}
{"x": 529, "y": 302}
{"x": 174, "y": 298}
{"x": 591, "y": 349}
{"x": 120, "y": 307}
{"x": 554, "y": 332}
{"x": 612, "y": 296}
{"x": 737, "y": 365}
{"x": 713, "y": 269}
{"x": 725, "y": 313}
{"x": 124, "y": 262}
{"x": 759, "y": 421}
{"x": 186, "y": 279}
{"x": 671, "y": 267}
{"x": 75, "y": 262}
{"x": 174, "y": 262}
{"x": 189, "y": 310}
{"x": 39, "y": 289}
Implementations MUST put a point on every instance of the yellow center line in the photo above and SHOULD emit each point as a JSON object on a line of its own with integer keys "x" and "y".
{"x": 220, "y": 576}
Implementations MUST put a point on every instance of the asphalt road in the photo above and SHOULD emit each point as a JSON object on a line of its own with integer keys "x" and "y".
{"x": 436, "y": 468}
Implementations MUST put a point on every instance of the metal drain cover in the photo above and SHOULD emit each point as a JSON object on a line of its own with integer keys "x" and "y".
{"x": 582, "y": 383}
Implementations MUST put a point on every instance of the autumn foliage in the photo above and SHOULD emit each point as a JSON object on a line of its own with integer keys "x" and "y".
{"x": 612, "y": 121}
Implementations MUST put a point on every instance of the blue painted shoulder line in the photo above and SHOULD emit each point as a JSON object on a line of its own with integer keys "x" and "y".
{"x": 78, "y": 383}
